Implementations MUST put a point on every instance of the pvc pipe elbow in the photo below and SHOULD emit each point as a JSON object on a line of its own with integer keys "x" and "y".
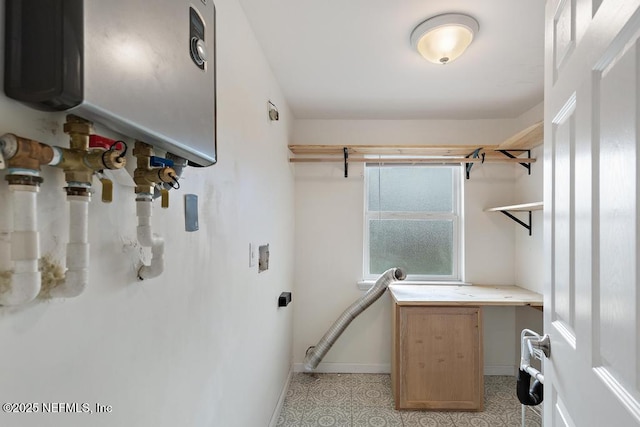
{"x": 151, "y": 271}
{"x": 148, "y": 239}
{"x": 23, "y": 288}
{"x": 156, "y": 267}
{"x": 76, "y": 277}
{"x": 74, "y": 284}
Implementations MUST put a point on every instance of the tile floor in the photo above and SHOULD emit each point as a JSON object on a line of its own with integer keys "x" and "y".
{"x": 355, "y": 400}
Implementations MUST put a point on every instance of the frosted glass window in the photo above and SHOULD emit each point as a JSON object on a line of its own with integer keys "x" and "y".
{"x": 418, "y": 247}
{"x": 412, "y": 221}
{"x": 411, "y": 189}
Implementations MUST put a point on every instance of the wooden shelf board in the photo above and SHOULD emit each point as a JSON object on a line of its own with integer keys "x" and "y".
{"x": 524, "y": 207}
{"x": 408, "y": 160}
{"x": 389, "y": 150}
{"x": 525, "y": 139}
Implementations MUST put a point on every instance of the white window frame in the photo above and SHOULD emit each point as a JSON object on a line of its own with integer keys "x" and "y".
{"x": 456, "y": 216}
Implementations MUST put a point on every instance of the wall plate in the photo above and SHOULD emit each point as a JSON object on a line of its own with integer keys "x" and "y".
{"x": 253, "y": 254}
{"x": 191, "y": 212}
{"x": 263, "y": 258}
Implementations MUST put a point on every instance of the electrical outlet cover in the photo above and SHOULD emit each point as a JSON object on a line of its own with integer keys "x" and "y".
{"x": 263, "y": 258}
{"x": 253, "y": 257}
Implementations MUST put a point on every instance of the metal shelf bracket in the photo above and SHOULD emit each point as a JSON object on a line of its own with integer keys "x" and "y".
{"x": 345, "y": 150}
{"x": 519, "y": 221}
{"x": 473, "y": 155}
{"x": 526, "y": 165}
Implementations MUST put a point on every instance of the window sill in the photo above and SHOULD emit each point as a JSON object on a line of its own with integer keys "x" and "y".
{"x": 365, "y": 285}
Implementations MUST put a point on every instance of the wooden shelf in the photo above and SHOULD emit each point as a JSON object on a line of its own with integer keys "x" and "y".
{"x": 409, "y": 160}
{"x": 525, "y": 139}
{"x": 519, "y": 143}
{"x": 524, "y": 207}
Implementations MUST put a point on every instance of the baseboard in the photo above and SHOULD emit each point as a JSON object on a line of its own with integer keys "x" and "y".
{"x": 283, "y": 394}
{"x": 347, "y": 368}
{"x": 509, "y": 370}
{"x": 385, "y": 368}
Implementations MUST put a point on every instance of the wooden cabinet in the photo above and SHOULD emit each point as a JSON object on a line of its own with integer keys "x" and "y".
{"x": 437, "y": 357}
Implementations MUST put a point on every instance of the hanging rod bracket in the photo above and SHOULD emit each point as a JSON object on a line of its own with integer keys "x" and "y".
{"x": 474, "y": 155}
{"x": 345, "y": 150}
{"x": 526, "y": 165}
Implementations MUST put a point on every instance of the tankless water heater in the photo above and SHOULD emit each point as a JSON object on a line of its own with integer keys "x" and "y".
{"x": 143, "y": 68}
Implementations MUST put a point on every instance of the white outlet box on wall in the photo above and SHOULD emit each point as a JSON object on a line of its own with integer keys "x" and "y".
{"x": 253, "y": 255}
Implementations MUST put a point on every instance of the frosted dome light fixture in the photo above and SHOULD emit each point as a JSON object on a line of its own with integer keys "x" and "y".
{"x": 444, "y": 38}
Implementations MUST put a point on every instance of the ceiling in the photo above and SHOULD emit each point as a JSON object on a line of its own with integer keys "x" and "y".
{"x": 337, "y": 59}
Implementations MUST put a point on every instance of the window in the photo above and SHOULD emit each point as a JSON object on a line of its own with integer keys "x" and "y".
{"x": 412, "y": 221}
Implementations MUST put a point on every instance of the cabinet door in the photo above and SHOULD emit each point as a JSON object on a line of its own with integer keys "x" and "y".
{"x": 439, "y": 358}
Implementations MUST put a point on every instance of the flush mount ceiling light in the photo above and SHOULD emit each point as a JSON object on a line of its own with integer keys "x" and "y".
{"x": 444, "y": 38}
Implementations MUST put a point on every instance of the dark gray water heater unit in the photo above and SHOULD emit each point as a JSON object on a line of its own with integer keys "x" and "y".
{"x": 143, "y": 68}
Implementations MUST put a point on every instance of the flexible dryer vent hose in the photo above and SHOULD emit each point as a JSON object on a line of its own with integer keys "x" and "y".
{"x": 316, "y": 353}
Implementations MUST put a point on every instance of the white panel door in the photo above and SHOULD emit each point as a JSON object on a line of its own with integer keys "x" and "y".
{"x": 592, "y": 222}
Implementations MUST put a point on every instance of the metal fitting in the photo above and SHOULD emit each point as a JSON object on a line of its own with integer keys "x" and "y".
{"x": 145, "y": 176}
{"x": 30, "y": 180}
{"x": 79, "y": 162}
{"x": 99, "y": 160}
{"x": 79, "y": 130}
{"x": 78, "y": 191}
{"x": 112, "y": 159}
{"x": 23, "y": 153}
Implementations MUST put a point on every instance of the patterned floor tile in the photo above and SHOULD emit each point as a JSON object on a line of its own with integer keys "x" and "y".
{"x": 326, "y": 416}
{"x": 372, "y": 394}
{"x": 331, "y": 378}
{"x": 426, "y": 419}
{"x": 501, "y": 405}
{"x": 329, "y": 394}
{"x": 477, "y": 419}
{"x": 376, "y": 417}
{"x": 365, "y": 400}
{"x": 503, "y": 388}
{"x": 296, "y": 393}
{"x": 514, "y": 419}
{"x": 371, "y": 378}
{"x": 500, "y": 395}
{"x": 303, "y": 378}
{"x": 290, "y": 415}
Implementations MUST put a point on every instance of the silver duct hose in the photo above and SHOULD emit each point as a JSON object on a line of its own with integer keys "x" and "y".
{"x": 316, "y": 353}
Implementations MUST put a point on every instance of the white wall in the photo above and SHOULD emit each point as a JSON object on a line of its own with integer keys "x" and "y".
{"x": 205, "y": 341}
{"x": 329, "y": 229}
